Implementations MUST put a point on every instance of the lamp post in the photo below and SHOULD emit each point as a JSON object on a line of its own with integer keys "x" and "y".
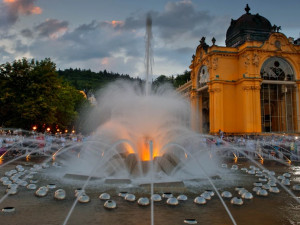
{"x": 34, "y": 128}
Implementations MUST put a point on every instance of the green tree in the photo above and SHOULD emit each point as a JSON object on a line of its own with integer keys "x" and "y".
{"x": 69, "y": 101}
{"x": 162, "y": 79}
{"x": 182, "y": 78}
{"x": 91, "y": 81}
{"x": 31, "y": 93}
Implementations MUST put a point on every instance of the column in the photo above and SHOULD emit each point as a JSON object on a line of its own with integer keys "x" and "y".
{"x": 194, "y": 111}
{"x": 216, "y": 108}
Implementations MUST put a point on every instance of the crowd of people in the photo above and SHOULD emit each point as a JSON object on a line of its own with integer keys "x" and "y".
{"x": 17, "y": 142}
{"x": 272, "y": 146}
{"x": 275, "y": 145}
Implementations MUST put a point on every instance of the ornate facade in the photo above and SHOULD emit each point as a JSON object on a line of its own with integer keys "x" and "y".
{"x": 251, "y": 85}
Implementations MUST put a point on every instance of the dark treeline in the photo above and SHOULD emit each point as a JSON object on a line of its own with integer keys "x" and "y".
{"x": 90, "y": 81}
{"x": 175, "y": 81}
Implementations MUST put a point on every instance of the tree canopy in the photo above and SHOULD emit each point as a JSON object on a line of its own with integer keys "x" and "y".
{"x": 180, "y": 79}
{"x": 31, "y": 93}
{"x": 90, "y": 81}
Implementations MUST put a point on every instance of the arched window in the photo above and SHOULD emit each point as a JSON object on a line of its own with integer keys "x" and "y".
{"x": 276, "y": 68}
{"x": 278, "y": 96}
{"x": 203, "y": 76}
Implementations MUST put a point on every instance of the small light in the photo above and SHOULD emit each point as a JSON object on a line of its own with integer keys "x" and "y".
{"x": 34, "y": 127}
{"x": 48, "y": 129}
{"x": 66, "y": 131}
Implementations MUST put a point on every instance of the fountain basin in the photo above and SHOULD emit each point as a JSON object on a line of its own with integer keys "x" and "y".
{"x": 60, "y": 194}
{"x": 200, "y": 200}
{"x": 143, "y": 201}
{"x": 172, "y": 201}
{"x": 130, "y": 197}
{"x": 226, "y": 194}
{"x": 110, "y": 204}
{"x": 8, "y": 209}
{"x": 156, "y": 198}
{"x": 236, "y": 201}
{"x": 182, "y": 197}
{"x": 104, "y": 196}
{"x": 190, "y": 221}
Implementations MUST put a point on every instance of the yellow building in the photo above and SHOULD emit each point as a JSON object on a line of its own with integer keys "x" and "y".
{"x": 251, "y": 85}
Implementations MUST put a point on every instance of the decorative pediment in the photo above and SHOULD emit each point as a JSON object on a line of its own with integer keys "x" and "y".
{"x": 279, "y": 42}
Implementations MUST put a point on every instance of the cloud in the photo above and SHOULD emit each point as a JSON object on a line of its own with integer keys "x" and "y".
{"x": 52, "y": 28}
{"x": 113, "y": 23}
{"x": 178, "y": 20}
{"x": 5, "y": 56}
{"x": 20, "y": 47}
{"x": 27, "y": 33}
{"x": 11, "y": 10}
{"x": 119, "y": 45}
{"x": 86, "y": 44}
{"x": 180, "y": 17}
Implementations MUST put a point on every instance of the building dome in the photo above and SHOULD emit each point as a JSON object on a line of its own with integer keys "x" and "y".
{"x": 248, "y": 27}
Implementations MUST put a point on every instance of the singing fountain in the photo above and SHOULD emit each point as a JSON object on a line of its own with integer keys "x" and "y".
{"x": 144, "y": 153}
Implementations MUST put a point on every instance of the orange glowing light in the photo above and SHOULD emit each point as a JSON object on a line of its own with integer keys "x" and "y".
{"x": 55, "y": 153}
{"x": 66, "y": 131}
{"x": 1, "y": 157}
{"x": 27, "y": 157}
{"x": 34, "y": 127}
{"x": 73, "y": 131}
{"x": 58, "y": 130}
{"x": 261, "y": 158}
{"x": 235, "y": 158}
{"x": 48, "y": 129}
{"x": 144, "y": 149}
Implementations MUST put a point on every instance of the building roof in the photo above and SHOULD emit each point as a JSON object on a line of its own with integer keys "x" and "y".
{"x": 248, "y": 27}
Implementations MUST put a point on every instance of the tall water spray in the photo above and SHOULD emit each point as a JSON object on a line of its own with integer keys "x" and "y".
{"x": 148, "y": 55}
{"x": 128, "y": 116}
